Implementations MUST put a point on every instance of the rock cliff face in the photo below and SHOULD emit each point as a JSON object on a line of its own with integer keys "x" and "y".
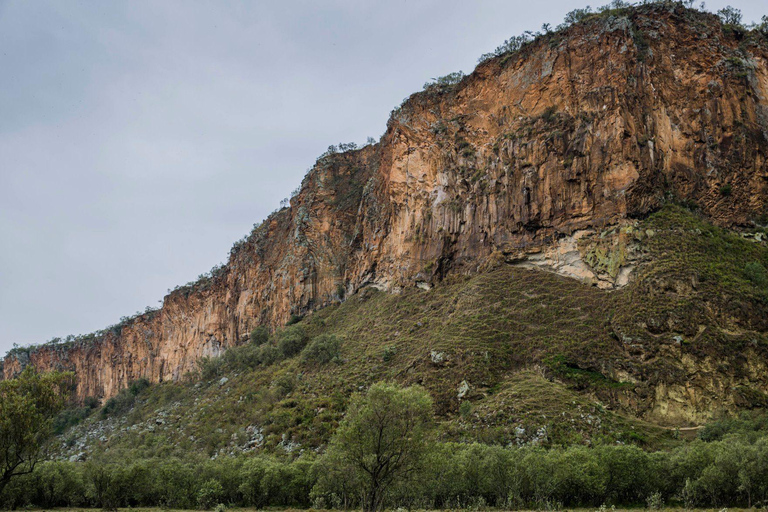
{"x": 577, "y": 131}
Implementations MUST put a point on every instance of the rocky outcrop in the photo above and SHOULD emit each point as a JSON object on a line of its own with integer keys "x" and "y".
{"x": 577, "y": 132}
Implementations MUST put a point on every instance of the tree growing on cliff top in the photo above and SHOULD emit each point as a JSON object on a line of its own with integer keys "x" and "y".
{"x": 382, "y": 440}
{"x": 28, "y": 405}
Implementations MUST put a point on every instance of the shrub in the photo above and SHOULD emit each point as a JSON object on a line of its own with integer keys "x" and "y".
{"x": 245, "y": 357}
{"x": 259, "y": 335}
{"x": 388, "y": 354}
{"x": 268, "y": 354}
{"x": 210, "y": 367}
{"x": 209, "y": 494}
{"x": 74, "y": 415}
{"x": 726, "y": 190}
{"x": 291, "y": 340}
{"x": 125, "y": 399}
{"x": 138, "y": 386}
{"x": 294, "y": 319}
{"x": 445, "y": 81}
{"x": 322, "y": 349}
{"x": 756, "y": 273}
{"x": 284, "y": 384}
{"x": 655, "y": 501}
{"x": 91, "y": 402}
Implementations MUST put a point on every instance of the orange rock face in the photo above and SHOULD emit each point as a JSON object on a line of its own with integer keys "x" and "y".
{"x": 578, "y": 130}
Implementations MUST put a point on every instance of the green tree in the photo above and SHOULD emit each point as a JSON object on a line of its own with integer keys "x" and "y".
{"x": 383, "y": 439}
{"x": 28, "y": 406}
{"x": 730, "y": 16}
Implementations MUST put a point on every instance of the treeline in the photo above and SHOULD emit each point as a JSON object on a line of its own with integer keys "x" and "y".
{"x": 732, "y": 471}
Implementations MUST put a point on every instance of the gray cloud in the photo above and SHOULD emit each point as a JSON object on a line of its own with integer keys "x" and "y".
{"x": 139, "y": 140}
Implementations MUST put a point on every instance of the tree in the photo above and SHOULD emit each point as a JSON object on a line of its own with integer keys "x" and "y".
{"x": 730, "y": 16}
{"x": 383, "y": 439}
{"x": 28, "y": 405}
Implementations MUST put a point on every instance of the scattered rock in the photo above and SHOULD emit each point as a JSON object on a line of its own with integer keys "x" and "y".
{"x": 463, "y": 389}
{"x": 78, "y": 457}
{"x": 438, "y": 357}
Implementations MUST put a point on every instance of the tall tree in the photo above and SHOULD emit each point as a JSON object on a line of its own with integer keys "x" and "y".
{"x": 28, "y": 405}
{"x": 383, "y": 439}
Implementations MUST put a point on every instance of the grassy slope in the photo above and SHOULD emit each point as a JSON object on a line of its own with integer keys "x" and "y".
{"x": 542, "y": 354}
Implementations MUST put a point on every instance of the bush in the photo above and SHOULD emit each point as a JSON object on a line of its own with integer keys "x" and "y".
{"x": 284, "y": 384}
{"x": 138, "y": 386}
{"x": 445, "y": 81}
{"x": 756, "y": 273}
{"x": 389, "y": 353}
{"x": 268, "y": 482}
{"x": 269, "y": 354}
{"x": 210, "y": 367}
{"x": 655, "y": 501}
{"x": 321, "y": 350}
{"x": 291, "y": 340}
{"x": 209, "y": 494}
{"x": 294, "y": 319}
{"x": 74, "y": 415}
{"x": 259, "y": 335}
{"x": 124, "y": 400}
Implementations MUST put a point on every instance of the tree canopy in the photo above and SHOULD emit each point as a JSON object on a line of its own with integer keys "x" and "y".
{"x": 382, "y": 440}
{"x": 28, "y": 406}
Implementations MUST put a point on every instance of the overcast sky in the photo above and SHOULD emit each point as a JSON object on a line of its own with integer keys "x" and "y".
{"x": 139, "y": 140}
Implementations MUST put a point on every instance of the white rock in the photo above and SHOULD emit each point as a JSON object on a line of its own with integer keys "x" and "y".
{"x": 463, "y": 389}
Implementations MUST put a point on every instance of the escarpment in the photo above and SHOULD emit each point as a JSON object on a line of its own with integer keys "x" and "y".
{"x": 580, "y": 131}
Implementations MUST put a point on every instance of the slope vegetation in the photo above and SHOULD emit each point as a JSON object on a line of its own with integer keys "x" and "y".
{"x": 512, "y": 356}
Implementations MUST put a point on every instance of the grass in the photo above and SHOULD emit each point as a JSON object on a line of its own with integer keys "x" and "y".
{"x": 539, "y": 351}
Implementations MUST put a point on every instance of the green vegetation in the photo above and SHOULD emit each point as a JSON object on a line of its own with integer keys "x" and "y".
{"x": 259, "y": 335}
{"x": 291, "y": 340}
{"x": 28, "y": 405}
{"x": 548, "y": 360}
{"x": 515, "y": 388}
{"x": 443, "y": 82}
{"x": 380, "y": 444}
{"x": 124, "y": 400}
{"x": 322, "y": 350}
{"x": 756, "y": 273}
{"x": 729, "y": 471}
{"x": 294, "y": 319}
{"x": 730, "y": 18}
{"x": 74, "y": 415}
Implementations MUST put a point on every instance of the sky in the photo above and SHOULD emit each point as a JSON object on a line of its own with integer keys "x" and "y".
{"x": 139, "y": 140}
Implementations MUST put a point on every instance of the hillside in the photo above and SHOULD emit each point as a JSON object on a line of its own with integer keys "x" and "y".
{"x": 573, "y": 231}
{"x": 512, "y": 356}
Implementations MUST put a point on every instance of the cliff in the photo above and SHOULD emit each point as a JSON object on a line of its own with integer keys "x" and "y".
{"x": 524, "y": 159}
